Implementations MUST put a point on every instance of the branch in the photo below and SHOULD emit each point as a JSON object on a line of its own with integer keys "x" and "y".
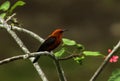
{"x": 23, "y": 47}
{"x": 34, "y": 54}
{"x": 25, "y": 56}
{"x": 56, "y": 61}
{"x": 10, "y": 17}
{"x": 7, "y": 60}
{"x": 69, "y": 57}
{"x": 61, "y": 72}
{"x": 32, "y": 34}
{"x": 104, "y": 63}
{"x": 59, "y": 69}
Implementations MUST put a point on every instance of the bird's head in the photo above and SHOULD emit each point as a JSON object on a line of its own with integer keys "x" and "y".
{"x": 58, "y": 32}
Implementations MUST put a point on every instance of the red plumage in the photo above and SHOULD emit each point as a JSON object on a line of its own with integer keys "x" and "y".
{"x": 52, "y": 41}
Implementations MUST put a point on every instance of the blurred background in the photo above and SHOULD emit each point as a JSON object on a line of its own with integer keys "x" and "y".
{"x": 93, "y": 23}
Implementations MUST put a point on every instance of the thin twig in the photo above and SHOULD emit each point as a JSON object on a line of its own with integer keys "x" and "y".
{"x": 32, "y": 34}
{"x": 104, "y": 63}
{"x": 10, "y": 17}
{"x": 8, "y": 60}
{"x": 23, "y": 47}
{"x": 69, "y": 57}
{"x": 25, "y": 56}
{"x": 34, "y": 54}
{"x": 59, "y": 69}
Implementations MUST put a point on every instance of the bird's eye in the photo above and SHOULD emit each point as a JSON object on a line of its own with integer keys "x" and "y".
{"x": 61, "y": 31}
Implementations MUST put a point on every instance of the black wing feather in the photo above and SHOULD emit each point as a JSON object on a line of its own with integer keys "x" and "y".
{"x": 47, "y": 43}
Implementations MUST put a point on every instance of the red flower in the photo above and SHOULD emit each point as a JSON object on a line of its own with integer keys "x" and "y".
{"x": 114, "y": 58}
{"x": 109, "y": 50}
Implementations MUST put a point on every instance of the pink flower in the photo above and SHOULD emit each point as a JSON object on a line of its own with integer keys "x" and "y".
{"x": 114, "y": 59}
{"x": 109, "y": 50}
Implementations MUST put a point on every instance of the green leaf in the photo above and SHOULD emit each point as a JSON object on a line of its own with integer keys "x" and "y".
{"x": 92, "y": 53}
{"x": 18, "y": 3}
{"x": 79, "y": 59}
{"x": 81, "y": 47}
{"x": 68, "y": 42}
{"x": 5, "y": 6}
{"x": 3, "y": 15}
{"x": 115, "y": 76}
{"x": 60, "y": 52}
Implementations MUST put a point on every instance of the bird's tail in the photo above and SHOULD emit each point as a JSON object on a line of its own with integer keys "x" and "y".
{"x": 36, "y": 59}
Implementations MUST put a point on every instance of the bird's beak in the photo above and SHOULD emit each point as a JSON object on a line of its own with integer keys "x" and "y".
{"x": 64, "y": 30}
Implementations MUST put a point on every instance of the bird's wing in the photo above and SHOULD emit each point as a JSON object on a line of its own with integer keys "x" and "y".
{"x": 47, "y": 43}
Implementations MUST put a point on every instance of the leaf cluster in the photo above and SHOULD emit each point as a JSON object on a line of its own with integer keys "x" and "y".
{"x": 72, "y": 47}
{"x": 115, "y": 76}
{"x": 7, "y": 9}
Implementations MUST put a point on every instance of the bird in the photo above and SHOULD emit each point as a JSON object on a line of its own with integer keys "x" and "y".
{"x": 51, "y": 42}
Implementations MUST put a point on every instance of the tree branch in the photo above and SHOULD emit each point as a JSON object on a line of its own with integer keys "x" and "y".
{"x": 104, "y": 63}
{"x": 23, "y": 47}
{"x": 56, "y": 60}
{"x": 10, "y": 17}
{"x": 34, "y": 54}
{"x": 69, "y": 57}
{"x": 25, "y": 56}
{"x": 32, "y": 34}
{"x": 59, "y": 69}
{"x": 61, "y": 72}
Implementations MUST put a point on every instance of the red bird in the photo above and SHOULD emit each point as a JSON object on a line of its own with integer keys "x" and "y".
{"x": 52, "y": 41}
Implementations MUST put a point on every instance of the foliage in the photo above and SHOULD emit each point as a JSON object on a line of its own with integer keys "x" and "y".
{"x": 7, "y": 9}
{"x": 92, "y": 53}
{"x": 68, "y": 42}
{"x": 60, "y": 52}
{"x": 5, "y": 6}
{"x": 115, "y": 76}
{"x": 18, "y": 3}
{"x": 76, "y": 49}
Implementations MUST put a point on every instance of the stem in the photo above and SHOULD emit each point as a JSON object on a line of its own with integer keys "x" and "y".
{"x": 25, "y": 56}
{"x": 23, "y": 47}
{"x": 104, "y": 63}
{"x": 60, "y": 70}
